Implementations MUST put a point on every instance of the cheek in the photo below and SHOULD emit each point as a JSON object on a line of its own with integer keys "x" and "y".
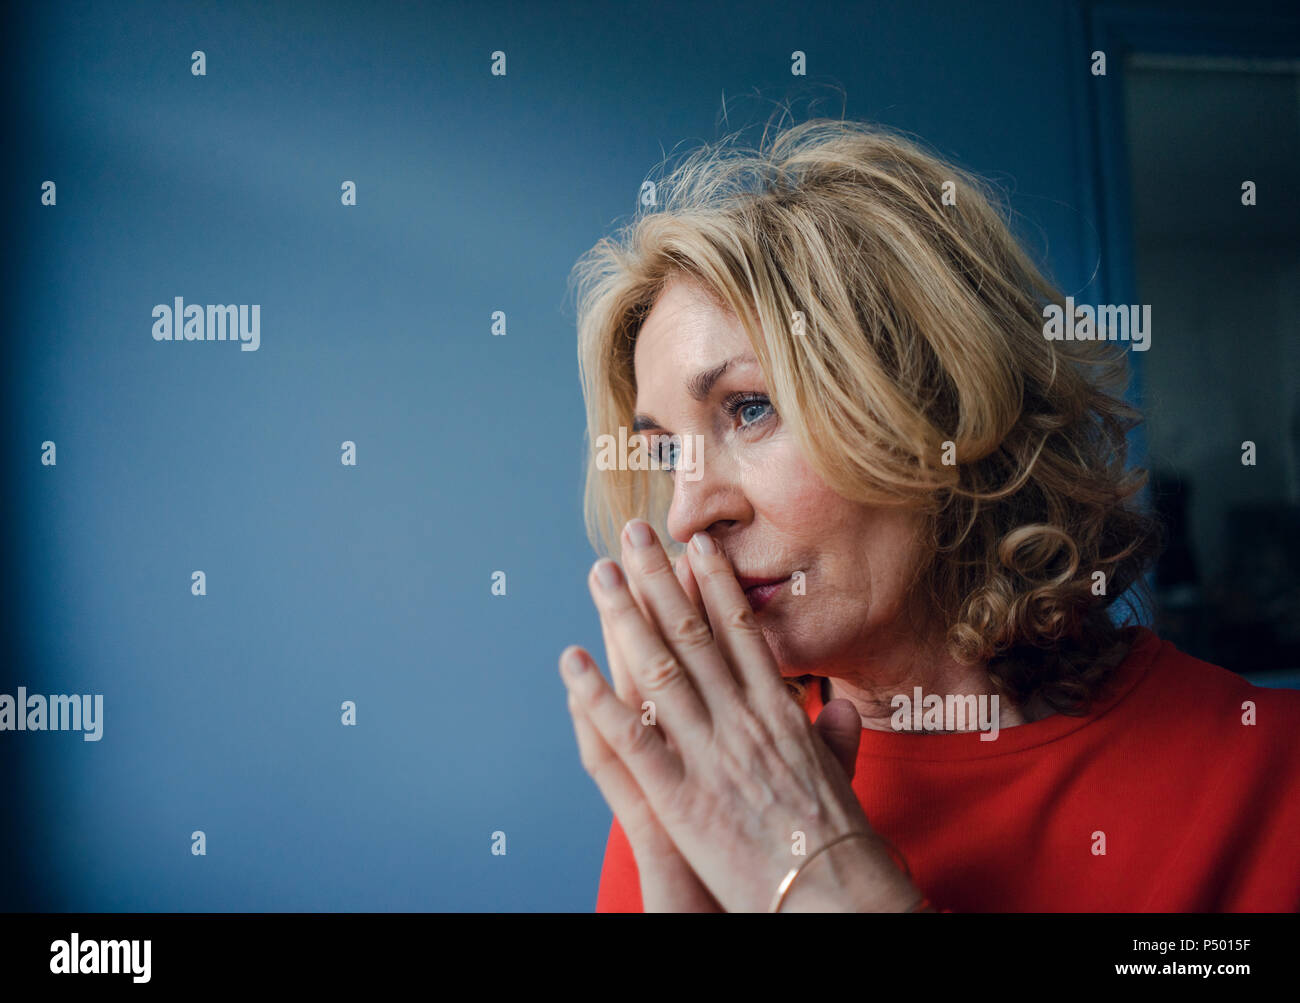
{"x": 890, "y": 543}
{"x": 790, "y": 495}
{"x": 866, "y": 554}
{"x": 814, "y": 522}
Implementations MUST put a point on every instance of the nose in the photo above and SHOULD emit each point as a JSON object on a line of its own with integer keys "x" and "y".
{"x": 708, "y": 499}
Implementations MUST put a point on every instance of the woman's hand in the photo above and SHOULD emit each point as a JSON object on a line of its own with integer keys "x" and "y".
{"x": 731, "y": 773}
{"x": 667, "y": 882}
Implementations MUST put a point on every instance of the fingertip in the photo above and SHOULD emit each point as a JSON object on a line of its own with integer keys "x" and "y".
{"x": 606, "y": 574}
{"x": 703, "y": 544}
{"x": 573, "y": 661}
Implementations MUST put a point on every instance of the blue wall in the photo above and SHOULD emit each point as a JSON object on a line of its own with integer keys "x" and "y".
{"x": 329, "y": 583}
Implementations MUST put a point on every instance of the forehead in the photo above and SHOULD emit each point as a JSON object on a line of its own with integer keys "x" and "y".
{"x": 685, "y": 331}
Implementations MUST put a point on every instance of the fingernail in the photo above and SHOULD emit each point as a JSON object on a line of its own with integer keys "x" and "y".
{"x": 607, "y": 573}
{"x": 573, "y": 663}
{"x": 639, "y": 533}
{"x": 704, "y": 543}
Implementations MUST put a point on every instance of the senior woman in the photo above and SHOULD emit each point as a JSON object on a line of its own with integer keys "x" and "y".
{"x": 889, "y": 496}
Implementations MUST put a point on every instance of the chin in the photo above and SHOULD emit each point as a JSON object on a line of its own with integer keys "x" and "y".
{"x": 792, "y": 660}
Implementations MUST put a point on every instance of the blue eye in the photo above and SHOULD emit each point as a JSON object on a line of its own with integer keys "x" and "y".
{"x": 668, "y": 451}
{"x": 755, "y": 405}
{"x": 752, "y": 408}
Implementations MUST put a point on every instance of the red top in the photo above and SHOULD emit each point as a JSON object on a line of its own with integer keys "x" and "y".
{"x": 1200, "y": 811}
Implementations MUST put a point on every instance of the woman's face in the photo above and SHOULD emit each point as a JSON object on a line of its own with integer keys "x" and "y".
{"x": 761, "y": 501}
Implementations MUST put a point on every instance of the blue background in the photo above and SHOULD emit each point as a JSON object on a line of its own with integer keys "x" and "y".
{"x": 329, "y": 583}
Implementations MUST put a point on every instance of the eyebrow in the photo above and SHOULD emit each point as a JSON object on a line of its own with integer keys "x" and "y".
{"x": 698, "y": 386}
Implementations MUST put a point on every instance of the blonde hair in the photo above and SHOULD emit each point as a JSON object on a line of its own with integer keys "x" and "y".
{"x": 923, "y": 379}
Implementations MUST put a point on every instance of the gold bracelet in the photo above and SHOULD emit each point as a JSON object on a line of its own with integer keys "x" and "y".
{"x": 784, "y": 887}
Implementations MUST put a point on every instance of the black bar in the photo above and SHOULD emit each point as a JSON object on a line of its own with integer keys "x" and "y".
{"x": 566, "y": 951}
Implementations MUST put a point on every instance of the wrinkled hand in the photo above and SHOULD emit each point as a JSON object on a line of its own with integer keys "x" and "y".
{"x": 667, "y": 882}
{"x": 713, "y": 794}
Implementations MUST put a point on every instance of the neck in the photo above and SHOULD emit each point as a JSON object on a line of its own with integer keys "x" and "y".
{"x": 873, "y": 687}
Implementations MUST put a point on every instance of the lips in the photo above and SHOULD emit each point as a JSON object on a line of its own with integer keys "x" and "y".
{"x": 760, "y": 591}
{"x": 748, "y": 583}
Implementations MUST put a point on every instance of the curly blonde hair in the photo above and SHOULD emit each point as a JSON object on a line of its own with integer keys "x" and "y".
{"x": 899, "y": 326}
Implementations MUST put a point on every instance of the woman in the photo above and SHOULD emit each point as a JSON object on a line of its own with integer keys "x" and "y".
{"x": 892, "y": 498}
